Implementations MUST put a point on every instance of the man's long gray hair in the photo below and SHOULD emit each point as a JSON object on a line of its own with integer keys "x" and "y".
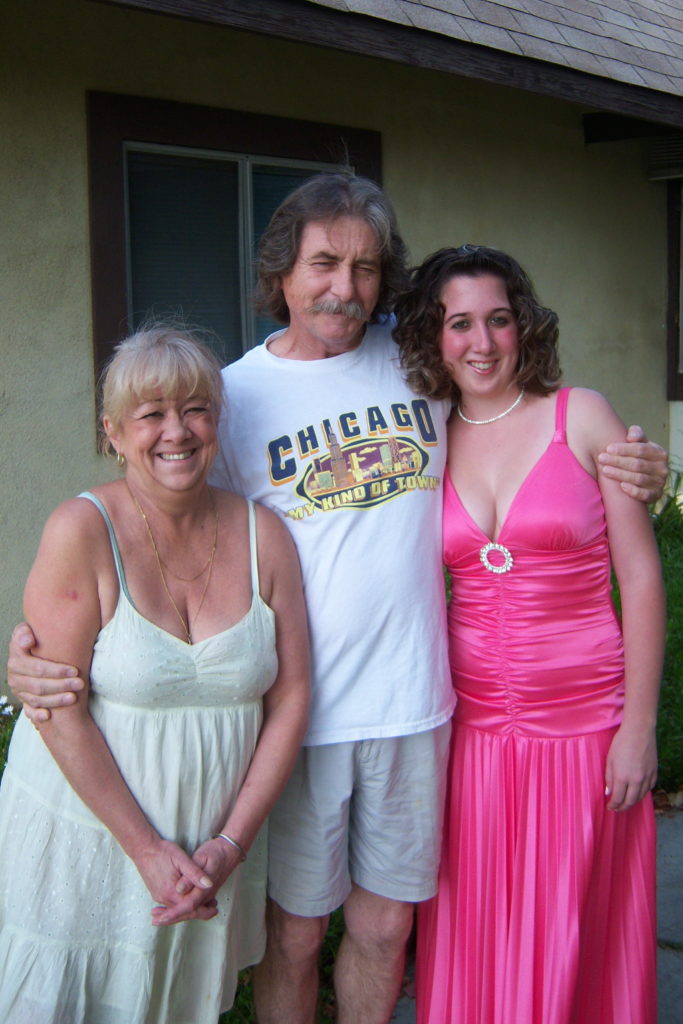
{"x": 325, "y": 197}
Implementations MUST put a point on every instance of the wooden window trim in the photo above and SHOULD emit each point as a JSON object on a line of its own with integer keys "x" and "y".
{"x": 673, "y": 314}
{"x": 115, "y": 119}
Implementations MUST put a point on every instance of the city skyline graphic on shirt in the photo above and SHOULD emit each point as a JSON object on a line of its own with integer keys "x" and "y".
{"x": 363, "y": 473}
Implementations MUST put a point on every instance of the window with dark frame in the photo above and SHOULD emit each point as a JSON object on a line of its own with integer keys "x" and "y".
{"x": 193, "y": 225}
{"x": 179, "y": 196}
{"x": 675, "y": 293}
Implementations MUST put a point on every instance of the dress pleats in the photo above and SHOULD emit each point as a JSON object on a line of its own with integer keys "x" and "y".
{"x": 545, "y": 912}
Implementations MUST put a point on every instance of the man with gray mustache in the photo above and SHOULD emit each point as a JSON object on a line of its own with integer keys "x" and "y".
{"x": 352, "y": 310}
{"x": 321, "y": 426}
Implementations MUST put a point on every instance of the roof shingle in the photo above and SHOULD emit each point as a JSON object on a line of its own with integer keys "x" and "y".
{"x": 624, "y": 40}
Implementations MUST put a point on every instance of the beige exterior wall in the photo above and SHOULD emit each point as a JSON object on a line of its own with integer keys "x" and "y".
{"x": 676, "y": 436}
{"x": 462, "y": 161}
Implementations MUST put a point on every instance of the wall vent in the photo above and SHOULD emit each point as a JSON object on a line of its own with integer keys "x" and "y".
{"x": 665, "y": 159}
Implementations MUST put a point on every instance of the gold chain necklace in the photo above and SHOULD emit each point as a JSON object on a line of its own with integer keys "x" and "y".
{"x": 184, "y": 622}
{"x": 207, "y": 563}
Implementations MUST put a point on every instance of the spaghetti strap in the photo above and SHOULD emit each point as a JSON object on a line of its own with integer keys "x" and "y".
{"x": 561, "y": 415}
{"x": 181, "y": 722}
{"x": 112, "y": 539}
{"x": 253, "y": 548}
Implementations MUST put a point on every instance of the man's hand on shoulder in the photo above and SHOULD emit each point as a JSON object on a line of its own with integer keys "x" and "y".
{"x": 640, "y": 466}
{"x": 37, "y": 683}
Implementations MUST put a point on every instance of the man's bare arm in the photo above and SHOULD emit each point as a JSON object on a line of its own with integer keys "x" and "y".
{"x": 639, "y": 465}
{"x": 37, "y": 683}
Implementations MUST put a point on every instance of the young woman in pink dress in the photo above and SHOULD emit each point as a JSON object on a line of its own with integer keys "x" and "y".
{"x": 545, "y": 910}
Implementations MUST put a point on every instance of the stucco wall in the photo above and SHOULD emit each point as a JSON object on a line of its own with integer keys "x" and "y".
{"x": 676, "y": 436}
{"x": 462, "y": 161}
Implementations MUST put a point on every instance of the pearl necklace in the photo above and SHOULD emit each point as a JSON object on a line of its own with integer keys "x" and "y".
{"x": 481, "y": 423}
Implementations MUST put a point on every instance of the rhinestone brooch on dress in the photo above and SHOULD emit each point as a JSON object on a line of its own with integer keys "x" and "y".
{"x": 484, "y": 557}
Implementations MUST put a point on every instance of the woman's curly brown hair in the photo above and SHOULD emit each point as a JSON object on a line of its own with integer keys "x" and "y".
{"x": 420, "y": 313}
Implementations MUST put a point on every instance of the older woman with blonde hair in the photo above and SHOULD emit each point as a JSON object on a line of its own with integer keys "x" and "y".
{"x": 137, "y": 806}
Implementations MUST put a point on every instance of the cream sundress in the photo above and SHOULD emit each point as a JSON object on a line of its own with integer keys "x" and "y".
{"x": 76, "y": 941}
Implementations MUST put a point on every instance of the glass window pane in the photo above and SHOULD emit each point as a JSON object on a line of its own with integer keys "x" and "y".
{"x": 184, "y": 244}
{"x": 270, "y": 185}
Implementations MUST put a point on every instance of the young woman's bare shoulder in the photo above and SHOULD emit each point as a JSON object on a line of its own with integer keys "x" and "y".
{"x": 592, "y": 420}
{"x": 594, "y": 402}
{"x": 587, "y": 399}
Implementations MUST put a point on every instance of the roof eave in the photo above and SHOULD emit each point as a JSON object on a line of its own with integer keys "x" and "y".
{"x": 302, "y": 22}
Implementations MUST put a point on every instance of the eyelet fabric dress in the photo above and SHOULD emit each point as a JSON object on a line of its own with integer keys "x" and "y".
{"x": 76, "y": 941}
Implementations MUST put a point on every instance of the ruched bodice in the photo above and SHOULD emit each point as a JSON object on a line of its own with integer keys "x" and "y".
{"x": 545, "y": 908}
{"x": 536, "y": 649}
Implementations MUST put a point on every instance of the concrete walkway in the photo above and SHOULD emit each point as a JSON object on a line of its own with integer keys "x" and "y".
{"x": 669, "y": 925}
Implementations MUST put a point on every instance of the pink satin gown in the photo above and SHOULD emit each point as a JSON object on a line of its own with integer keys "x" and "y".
{"x": 545, "y": 910}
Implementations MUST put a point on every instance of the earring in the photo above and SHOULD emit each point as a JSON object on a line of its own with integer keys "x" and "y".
{"x": 120, "y": 460}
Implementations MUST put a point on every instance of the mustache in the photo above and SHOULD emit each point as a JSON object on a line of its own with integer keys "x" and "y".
{"x": 336, "y": 307}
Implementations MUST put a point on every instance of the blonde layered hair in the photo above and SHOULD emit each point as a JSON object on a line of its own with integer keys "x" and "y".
{"x": 157, "y": 359}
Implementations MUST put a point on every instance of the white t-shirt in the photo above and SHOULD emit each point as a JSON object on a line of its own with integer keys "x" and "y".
{"x": 353, "y": 462}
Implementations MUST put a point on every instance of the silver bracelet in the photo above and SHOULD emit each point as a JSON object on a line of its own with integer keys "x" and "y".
{"x": 233, "y": 842}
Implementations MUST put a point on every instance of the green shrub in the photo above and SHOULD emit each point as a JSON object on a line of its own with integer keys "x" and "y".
{"x": 667, "y": 520}
{"x": 668, "y": 524}
{"x": 8, "y": 716}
